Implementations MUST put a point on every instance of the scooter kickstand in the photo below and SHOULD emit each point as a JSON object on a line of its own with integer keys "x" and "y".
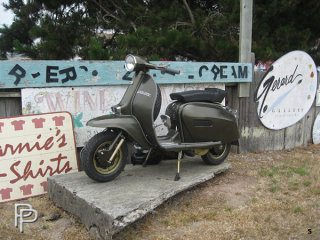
{"x": 177, "y": 177}
{"x": 146, "y": 160}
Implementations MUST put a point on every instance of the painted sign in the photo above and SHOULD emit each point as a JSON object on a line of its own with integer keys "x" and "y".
{"x": 85, "y": 103}
{"x": 287, "y": 90}
{"x": 33, "y": 148}
{"x": 32, "y": 74}
{"x": 316, "y": 130}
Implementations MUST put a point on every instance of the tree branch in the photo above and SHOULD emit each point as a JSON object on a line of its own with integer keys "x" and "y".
{"x": 106, "y": 11}
{"x": 124, "y": 14}
{"x": 189, "y": 12}
{"x": 109, "y": 14}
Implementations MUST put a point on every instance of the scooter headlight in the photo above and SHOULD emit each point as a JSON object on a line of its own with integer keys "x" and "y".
{"x": 130, "y": 62}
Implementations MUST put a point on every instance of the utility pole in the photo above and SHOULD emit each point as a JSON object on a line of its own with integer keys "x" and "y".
{"x": 245, "y": 41}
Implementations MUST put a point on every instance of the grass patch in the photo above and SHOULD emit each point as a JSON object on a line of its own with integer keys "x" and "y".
{"x": 228, "y": 209}
{"x": 307, "y": 183}
{"x": 191, "y": 218}
{"x": 166, "y": 222}
{"x": 297, "y": 209}
{"x": 269, "y": 173}
{"x": 210, "y": 215}
{"x": 44, "y": 227}
{"x": 263, "y": 173}
{"x": 274, "y": 189}
{"x": 301, "y": 172}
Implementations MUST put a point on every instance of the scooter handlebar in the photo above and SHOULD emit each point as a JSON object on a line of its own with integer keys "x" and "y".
{"x": 170, "y": 71}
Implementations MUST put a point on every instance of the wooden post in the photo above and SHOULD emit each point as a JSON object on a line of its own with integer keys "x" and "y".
{"x": 245, "y": 41}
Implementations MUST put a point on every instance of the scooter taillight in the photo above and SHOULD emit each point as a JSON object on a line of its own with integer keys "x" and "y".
{"x": 233, "y": 111}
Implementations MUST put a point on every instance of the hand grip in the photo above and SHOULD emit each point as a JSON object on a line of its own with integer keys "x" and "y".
{"x": 170, "y": 71}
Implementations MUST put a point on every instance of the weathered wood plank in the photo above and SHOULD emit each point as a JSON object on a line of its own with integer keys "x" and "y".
{"x": 13, "y": 107}
{"x": 31, "y": 74}
{"x": 3, "y": 107}
{"x": 10, "y": 106}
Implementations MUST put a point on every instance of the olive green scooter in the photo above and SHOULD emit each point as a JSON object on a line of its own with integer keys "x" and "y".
{"x": 197, "y": 125}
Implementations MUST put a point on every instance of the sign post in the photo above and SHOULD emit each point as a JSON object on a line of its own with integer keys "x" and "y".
{"x": 245, "y": 41}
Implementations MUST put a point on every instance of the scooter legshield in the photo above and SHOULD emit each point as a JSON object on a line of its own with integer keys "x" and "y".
{"x": 127, "y": 123}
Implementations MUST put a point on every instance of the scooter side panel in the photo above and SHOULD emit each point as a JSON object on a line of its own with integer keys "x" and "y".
{"x": 127, "y": 123}
{"x": 143, "y": 106}
{"x": 208, "y": 122}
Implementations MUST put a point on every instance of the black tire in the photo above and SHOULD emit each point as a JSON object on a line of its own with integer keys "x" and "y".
{"x": 217, "y": 154}
{"x": 95, "y": 157}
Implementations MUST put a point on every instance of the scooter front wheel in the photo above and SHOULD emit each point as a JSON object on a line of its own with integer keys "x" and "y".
{"x": 217, "y": 154}
{"x": 96, "y": 157}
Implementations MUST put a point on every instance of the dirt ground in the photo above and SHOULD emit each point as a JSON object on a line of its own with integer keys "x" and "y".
{"x": 265, "y": 195}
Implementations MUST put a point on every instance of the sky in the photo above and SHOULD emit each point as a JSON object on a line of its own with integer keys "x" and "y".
{"x": 6, "y": 17}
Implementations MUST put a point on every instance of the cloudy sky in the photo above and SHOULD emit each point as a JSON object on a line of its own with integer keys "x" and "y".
{"x": 5, "y": 16}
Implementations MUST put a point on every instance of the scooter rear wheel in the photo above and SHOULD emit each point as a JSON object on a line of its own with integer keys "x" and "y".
{"x": 95, "y": 157}
{"x": 217, "y": 154}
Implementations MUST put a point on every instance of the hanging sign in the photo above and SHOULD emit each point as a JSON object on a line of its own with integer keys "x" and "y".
{"x": 39, "y": 74}
{"x": 287, "y": 90}
{"x": 33, "y": 148}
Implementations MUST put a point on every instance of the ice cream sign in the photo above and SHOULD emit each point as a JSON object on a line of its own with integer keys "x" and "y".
{"x": 287, "y": 90}
{"x": 33, "y": 148}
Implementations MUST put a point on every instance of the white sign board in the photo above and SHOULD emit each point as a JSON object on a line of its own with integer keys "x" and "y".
{"x": 287, "y": 90}
{"x": 85, "y": 103}
{"x": 33, "y": 148}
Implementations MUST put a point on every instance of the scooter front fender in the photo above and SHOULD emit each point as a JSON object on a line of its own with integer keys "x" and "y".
{"x": 127, "y": 123}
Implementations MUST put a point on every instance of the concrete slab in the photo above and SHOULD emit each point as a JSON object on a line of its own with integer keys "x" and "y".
{"x": 106, "y": 208}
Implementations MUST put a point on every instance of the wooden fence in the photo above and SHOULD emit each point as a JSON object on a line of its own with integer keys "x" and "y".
{"x": 254, "y": 136}
{"x": 10, "y": 102}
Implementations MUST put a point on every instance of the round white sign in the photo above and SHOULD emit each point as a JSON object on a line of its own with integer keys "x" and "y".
{"x": 287, "y": 90}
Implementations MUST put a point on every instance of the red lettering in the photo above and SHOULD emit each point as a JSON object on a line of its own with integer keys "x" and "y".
{"x": 66, "y": 168}
{"x": 26, "y": 147}
{"x": 18, "y": 148}
{"x": 17, "y": 163}
{"x": 63, "y": 143}
{"x": 42, "y": 171}
{"x": 27, "y": 171}
{"x": 63, "y": 138}
{"x": 48, "y": 144}
{"x": 1, "y": 125}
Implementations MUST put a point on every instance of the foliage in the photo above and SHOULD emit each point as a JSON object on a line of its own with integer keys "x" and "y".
{"x": 280, "y": 26}
{"x": 194, "y": 30}
{"x": 198, "y": 30}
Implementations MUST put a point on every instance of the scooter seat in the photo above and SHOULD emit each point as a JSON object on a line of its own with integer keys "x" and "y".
{"x": 214, "y": 95}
